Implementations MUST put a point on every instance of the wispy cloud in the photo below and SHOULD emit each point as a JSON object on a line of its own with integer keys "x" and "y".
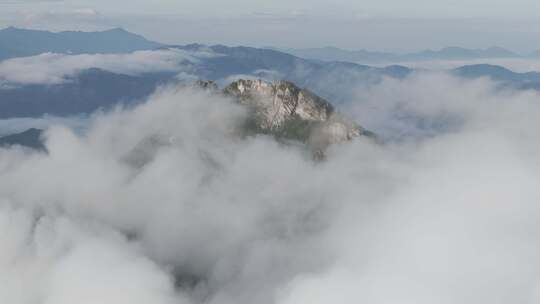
{"x": 57, "y": 68}
{"x": 163, "y": 203}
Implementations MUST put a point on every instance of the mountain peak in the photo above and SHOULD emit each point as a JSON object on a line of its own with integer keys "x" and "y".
{"x": 278, "y": 101}
{"x": 284, "y": 109}
{"x": 26, "y": 42}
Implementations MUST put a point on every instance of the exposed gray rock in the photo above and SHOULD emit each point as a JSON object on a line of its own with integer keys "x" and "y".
{"x": 275, "y": 103}
{"x": 283, "y": 109}
{"x": 206, "y": 85}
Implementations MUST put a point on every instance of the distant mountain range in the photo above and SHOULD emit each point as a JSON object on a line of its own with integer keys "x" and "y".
{"x": 364, "y": 56}
{"x": 15, "y": 42}
{"x": 87, "y": 92}
{"x": 504, "y": 76}
{"x": 331, "y": 80}
{"x": 92, "y": 89}
{"x": 30, "y": 138}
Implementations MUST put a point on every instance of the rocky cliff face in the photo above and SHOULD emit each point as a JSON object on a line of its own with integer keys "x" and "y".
{"x": 275, "y": 103}
{"x": 281, "y": 108}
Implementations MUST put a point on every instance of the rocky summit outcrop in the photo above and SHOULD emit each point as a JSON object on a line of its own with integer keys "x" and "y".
{"x": 287, "y": 111}
{"x": 276, "y": 103}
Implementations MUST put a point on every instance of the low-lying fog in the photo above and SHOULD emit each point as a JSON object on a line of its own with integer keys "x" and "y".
{"x": 163, "y": 204}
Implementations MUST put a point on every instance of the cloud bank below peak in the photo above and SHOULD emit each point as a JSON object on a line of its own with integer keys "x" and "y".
{"x": 157, "y": 190}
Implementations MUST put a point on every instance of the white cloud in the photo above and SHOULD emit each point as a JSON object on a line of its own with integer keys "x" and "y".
{"x": 54, "y": 259}
{"x": 58, "y": 68}
{"x": 166, "y": 189}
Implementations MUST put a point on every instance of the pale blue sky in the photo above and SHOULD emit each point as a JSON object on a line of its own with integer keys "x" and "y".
{"x": 372, "y": 24}
{"x": 388, "y": 8}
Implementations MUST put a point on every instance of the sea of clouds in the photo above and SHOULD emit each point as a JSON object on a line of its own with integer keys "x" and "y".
{"x": 166, "y": 203}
